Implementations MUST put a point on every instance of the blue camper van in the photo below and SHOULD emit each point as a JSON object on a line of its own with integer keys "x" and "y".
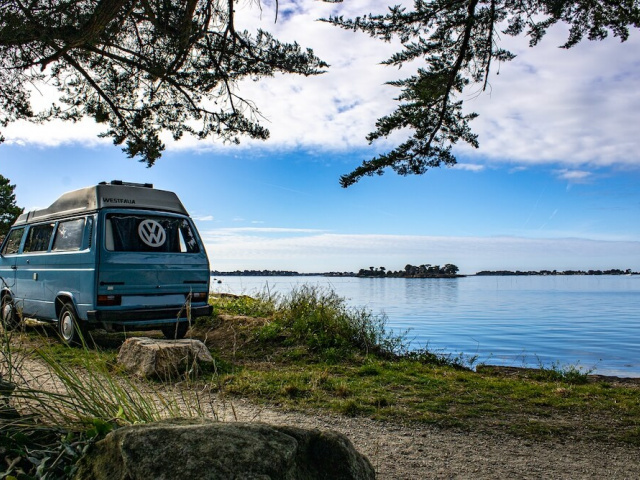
{"x": 115, "y": 255}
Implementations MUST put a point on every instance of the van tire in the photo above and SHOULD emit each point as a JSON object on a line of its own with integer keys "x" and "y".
{"x": 70, "y": 330}
{"x": 8, "y": 313}
{"x": 175, "y": 332}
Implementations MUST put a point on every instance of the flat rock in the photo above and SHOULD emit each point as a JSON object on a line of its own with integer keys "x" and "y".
{"x": 165, "y": 359}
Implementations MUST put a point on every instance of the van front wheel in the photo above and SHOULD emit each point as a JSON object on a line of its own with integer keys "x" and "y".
{"x": 69, "y": 328}
{"x": 8, "y": 314}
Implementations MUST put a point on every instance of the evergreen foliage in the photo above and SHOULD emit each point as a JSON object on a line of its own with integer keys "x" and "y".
{"x": 412, "y": 271}
{"x": 140, "y": 67}
{"x": 9, "y": 211}
{"x": 459, "y": 42}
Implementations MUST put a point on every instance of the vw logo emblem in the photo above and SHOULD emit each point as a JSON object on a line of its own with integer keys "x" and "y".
{"x": 152, "y": 233}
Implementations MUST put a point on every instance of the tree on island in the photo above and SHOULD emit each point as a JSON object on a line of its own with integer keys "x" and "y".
{"x": 412, "y": 271}
{"x": 458, "y": 44}
{"x": 9, "y": 211}
{"x": 450, "y": 269}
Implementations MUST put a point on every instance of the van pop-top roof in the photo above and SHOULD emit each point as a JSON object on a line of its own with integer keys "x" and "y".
{"x": 114, "y": 194}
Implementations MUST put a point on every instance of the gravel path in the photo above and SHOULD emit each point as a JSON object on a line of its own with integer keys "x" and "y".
{"x": 423, "y": 452}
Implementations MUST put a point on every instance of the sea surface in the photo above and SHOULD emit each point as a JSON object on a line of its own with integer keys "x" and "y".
{"x": 589, "y": 322}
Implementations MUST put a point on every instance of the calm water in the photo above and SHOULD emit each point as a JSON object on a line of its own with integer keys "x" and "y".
{"x": 591, "y": 321}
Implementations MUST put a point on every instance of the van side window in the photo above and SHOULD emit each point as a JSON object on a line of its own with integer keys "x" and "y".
{"x": 138, "y": 233}
{"x": 38, "y": 238}
{"x": 69, "y": 235}
{"x": 13, "y": 242}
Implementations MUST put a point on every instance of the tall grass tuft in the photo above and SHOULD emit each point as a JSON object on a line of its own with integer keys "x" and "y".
{"x": 51, "y": 411}
{"x": 572, "y": 374}
{"x": 318, "y": 318}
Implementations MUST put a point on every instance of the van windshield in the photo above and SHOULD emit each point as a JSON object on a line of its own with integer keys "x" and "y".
{"x": 149, "y": 233}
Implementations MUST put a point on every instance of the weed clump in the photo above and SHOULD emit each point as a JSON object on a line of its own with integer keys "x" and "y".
{"x": 571, "y": 374}
{"x": 262, "y": 305}
{"x": 320, "y": 319}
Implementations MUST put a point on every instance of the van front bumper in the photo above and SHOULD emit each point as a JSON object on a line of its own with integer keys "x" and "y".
{"x": 147, "y": 316}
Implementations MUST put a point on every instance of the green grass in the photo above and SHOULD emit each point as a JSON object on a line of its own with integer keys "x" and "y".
{"x": 410, "y": 391}
{"x": 315, "y": 353}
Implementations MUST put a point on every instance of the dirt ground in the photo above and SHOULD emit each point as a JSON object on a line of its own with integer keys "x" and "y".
{"x": 423, "y": 452}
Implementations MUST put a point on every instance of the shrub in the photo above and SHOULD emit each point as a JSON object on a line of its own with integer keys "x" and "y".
{"x": 322, "y": 321}
{"x": 572, "y": 374}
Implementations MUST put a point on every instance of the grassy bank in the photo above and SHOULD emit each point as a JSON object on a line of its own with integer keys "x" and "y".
{"x": 308, "y": 351}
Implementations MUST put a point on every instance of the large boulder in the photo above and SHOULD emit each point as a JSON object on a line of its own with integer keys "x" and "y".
{"x": 166, "y": 359}
{"x": 208, "y": 450}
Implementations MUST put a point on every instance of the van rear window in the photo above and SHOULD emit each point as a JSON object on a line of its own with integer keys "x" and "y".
{"x": 142, "y": 233}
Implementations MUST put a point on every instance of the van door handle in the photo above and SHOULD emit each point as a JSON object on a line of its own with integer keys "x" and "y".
{"x": 13, "y": 267}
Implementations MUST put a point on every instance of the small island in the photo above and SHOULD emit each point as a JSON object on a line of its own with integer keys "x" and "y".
{"x": 449, "y": 270}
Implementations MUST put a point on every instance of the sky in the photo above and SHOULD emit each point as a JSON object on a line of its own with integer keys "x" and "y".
{"x": 554, "y": 184}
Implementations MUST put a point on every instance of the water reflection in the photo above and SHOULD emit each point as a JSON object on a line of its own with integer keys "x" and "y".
{"x": 431, "y": 290}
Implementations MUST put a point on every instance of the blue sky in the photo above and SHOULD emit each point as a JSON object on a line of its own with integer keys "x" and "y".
{"x": 553, "y": 185}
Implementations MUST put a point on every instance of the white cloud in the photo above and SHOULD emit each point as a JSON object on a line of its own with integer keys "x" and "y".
{"x": 240, "y": 230}
{"x": 203, "y": 218}
{"x": 471, "y": 167}
{"x": 574, "y": 176}
{"x": 575, "y": 108}
{"x": 55, "y": 133}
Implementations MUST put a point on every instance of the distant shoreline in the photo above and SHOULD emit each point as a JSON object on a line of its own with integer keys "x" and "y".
{"x": 614, "y": 271}
{"x": 484, "y": 273}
